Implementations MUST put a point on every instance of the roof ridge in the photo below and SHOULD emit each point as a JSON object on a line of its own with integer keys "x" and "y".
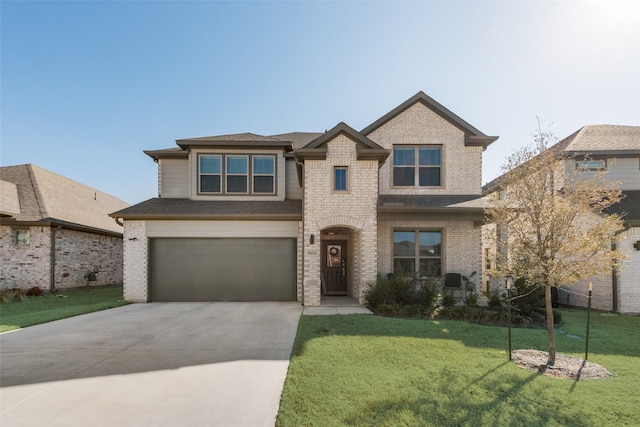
{"x": 36, "y": 190}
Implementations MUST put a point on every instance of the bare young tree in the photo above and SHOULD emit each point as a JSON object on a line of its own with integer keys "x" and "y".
{"x": 558, "y": 233}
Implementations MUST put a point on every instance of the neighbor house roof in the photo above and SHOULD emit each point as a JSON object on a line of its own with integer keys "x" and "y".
{"x": 46, "y": 197}
{"x": 601, "y": 139}
{"x": 166, "y": 208}
{"x": 596, "y": 140}
{"x": 472, "y": 135}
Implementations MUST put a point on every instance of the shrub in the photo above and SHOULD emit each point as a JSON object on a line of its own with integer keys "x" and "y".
{"x": 495, "y": 299}
{"x": 34, "y": 292}
{"x": 403, "y": 296}
{"x": 471, "y": 300}
{"x": 448, "y": 300}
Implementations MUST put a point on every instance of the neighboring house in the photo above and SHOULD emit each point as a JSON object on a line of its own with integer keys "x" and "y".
{"x": 55, "y": 232}
{"x": 616, "y": 150}
{"x": 300, "y": 216}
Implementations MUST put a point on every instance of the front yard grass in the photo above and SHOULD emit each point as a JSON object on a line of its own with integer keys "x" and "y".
{"x": 66, "y": 303}
{"x": 378, "y": 371}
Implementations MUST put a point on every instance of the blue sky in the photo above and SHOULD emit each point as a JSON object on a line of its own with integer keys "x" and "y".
{"x": 87, "y": 85}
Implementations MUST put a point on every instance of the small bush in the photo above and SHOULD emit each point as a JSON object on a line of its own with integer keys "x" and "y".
{"x": 471, "y": 300}
{"x": 495, "y": 299}
{"x": 403, "y": 296}
{"x": 448, "y": 300}
{"x": 34, "y": 292}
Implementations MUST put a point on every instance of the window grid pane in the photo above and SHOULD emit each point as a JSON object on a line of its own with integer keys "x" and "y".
{"x": 429, "y": 156}
{"x": 263, "y": 184}
{"x": 263, "y": 165}
{"x": 429, "y": 177}
{"x": 404, "y": 156}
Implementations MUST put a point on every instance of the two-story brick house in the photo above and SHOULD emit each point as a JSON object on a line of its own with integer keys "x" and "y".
{"x": 300, "y": 216}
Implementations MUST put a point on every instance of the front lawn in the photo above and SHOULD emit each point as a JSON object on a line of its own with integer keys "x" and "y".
{"x": 371, "y": 370}
{"x": 34, "y": 310}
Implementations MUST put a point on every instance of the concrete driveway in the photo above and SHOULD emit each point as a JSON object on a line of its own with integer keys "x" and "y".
{"x": 159, "y": 364}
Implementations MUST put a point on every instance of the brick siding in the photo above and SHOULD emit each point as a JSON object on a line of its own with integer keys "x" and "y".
{"x": 135, "y": 262}
{"x": 76, "y": 254}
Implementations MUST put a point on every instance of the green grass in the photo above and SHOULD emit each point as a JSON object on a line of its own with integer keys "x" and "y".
{"x": 34, "y": 310}
{"x": 377, "y": 371}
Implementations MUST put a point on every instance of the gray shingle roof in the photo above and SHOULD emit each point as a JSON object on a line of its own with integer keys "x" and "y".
{"x": 388, "y": 203}
{"x": 599, "y": 138}
{"x": 298, "y": 139}
{"x": 47, "y": 196}
{"x": 236, "y": 139}
{"x": 165, "y": 208}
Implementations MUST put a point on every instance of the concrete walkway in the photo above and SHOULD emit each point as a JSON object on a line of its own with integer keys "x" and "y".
{"x": 164, "y": 364}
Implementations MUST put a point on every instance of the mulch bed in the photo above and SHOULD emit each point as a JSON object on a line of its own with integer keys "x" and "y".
{"x": 567, "y": 367}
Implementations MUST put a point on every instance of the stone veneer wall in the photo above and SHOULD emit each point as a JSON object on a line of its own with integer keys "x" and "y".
{"x": 355, "y": 209}
{"x": 76, "y": 253}
{"x": 462, "y": 165}
{"x": 135, "y": 262}
{"x": 25, "y": 266}
{"x": 461, "y": 242}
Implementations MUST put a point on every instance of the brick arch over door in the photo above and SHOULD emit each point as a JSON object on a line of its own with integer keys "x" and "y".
{"x": 340, "y": 221}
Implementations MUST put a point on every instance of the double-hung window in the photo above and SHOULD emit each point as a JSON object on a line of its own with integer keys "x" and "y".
{"x": 236, "y": 174}
{"x": 417, "y": 251}
{"x": 210, "y": 174}
{"x": 263, "y": 174}
{"x": 417, "y": 166}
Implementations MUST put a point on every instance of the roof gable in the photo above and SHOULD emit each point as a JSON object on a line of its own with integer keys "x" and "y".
{"x": 366, "y": 149}
{"x": 473, "y": 136}
{"x": 344, "y": 129}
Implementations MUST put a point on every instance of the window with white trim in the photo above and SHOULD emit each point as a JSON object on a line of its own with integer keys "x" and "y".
{"x": 417, "y": 166}
{"x": 237, "y": 174}
{"x": 417, "y": 251}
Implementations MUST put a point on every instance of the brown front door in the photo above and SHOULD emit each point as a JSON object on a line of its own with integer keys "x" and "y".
{"x": 334, "y": 267}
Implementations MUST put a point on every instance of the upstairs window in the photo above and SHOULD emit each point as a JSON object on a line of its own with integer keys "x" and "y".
{"x": 236, "y": 174}
{"x": 417, "y": 251}
{"x": 417, "y": 166}
{"x": 210, "y": 174}
{"x": 340, "y": 178}
{"x": 591, "y": 165}
{"x": 264, "y": 174}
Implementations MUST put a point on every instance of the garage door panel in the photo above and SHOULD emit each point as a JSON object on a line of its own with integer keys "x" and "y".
{"x": 223, "y": 269}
